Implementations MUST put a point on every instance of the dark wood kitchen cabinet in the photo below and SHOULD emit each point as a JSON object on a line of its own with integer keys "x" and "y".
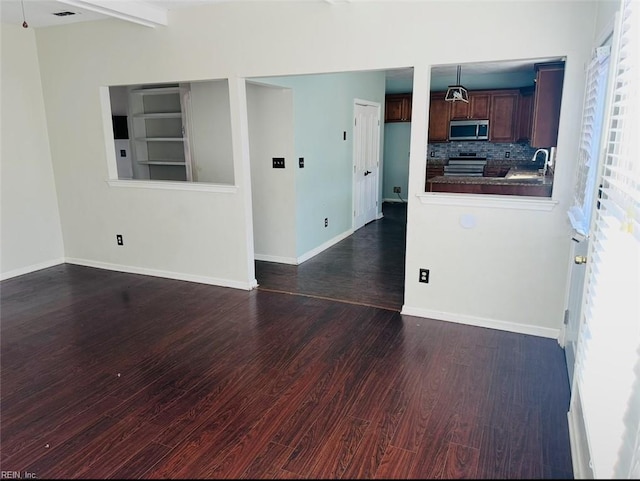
{"x": 477, "y": 107}
{"x": 546, "y": 104}
{"x": 525, "y": 114}
{"x": 397, "y": 108}
{"x": 439, "y": 115}
{"x": 502, "y": 116}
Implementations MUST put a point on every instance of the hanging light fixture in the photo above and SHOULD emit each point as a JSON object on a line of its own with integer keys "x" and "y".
{"x": 24, "y": 20}
{"x": 457, "y": 91}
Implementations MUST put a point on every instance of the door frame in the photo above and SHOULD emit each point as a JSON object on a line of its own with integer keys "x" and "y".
{"x": 378, "y": 105}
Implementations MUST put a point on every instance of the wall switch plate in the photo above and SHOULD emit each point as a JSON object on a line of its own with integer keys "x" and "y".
{"x": 424, "y": 275}
{"x": 397, "y": 190}
{"x": 301, "y": 162}
{"x": 507, "y": 154}
{"x": 278, "y": 162}
{"x": 119, "y": 239}
{"x": 344, "y": 135}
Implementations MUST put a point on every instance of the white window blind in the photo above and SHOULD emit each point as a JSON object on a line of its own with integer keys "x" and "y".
{"x": 591, "y": 133}
{"x": 608, "y": 358}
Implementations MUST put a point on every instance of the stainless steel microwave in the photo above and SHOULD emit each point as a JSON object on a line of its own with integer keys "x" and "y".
{"x": 469, "y": 130}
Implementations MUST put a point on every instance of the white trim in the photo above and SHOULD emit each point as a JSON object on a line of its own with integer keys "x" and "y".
{"x": 32, "y": 268}
{"x": 307, "y": 255}
{"x": 322, "y": 247}
{"x": 485, "y": 200}
{"x": 279, "y": 259}
{"x": 607, "y": 32}
{"x": 141, "y": 13}
{"x": 578, "y": 442}
{"x": 214, "y": 281}
{"x": 242, "y": 164}
{"x": 480, "y": 322}
{"x": 168, "y": 185}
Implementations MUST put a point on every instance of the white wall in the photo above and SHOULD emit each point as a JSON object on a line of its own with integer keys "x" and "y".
{"x": 510, "y": 269}
{"x": 210, "y": 140}
{"x": 323, "y": 112}
{"x": 270, "y": 113}
{"x": 31, "y": 234}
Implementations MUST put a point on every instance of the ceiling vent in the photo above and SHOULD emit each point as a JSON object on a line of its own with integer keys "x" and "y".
{"x": 64, "y": 14}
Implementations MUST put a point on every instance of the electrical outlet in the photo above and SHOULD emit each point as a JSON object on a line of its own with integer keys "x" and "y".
{"x": 278, "y": 162}
{"x": 301, "y": 162}
{"x": 507, "y": 154}
{"x": 119, "y": 239}
{"x": 424, "y": 276}
{"x": 326, "y": 222}
{"x": 397, "y": 190}
{"x": 432, "y": 154}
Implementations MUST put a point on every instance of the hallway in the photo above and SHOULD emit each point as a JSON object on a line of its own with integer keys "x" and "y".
{"x": 365, "y": 268}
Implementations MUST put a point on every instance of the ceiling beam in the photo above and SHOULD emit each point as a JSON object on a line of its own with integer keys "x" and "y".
{"x": 141, "y": 13}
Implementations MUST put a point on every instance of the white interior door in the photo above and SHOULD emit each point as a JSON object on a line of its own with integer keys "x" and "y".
{"x": 366, "y": 161}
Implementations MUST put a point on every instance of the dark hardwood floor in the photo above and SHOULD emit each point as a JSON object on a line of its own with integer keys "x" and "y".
{"x": 365, "y": 268}
{"x": 114, "y": 375}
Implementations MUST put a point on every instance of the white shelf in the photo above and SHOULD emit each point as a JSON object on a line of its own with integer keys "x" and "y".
{"x": 160, "y": 139}
{"x": 159, "y": 115}
{"x": 158, "y": 91}
{"x": 161, "y": 162}
{"x": 159, "y": 128}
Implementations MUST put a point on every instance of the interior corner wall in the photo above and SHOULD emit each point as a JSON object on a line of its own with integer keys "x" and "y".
{"x": 31, "y": 233}
{"x": 270, "y": 116}
{"x": 323, "y": 124}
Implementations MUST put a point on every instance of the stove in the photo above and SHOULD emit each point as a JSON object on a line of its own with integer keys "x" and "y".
{"x": 467, "y": 164}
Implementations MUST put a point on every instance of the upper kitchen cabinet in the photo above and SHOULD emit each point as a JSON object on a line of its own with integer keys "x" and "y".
{"x": 502, "y": 116}
{"x": 525, "y": 114}
{"x": 546, "y": 104}
{"x": 439, "y": 116}
{"x": 397, "y": 108}
{"x": 477, "y": 108}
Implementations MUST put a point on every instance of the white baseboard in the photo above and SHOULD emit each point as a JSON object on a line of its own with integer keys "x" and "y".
{"x": 278, "y": 259}
{"x": 481, "y": 322}
{"x": 314, "y": 252}
{"x": 214, "y": 281}
{"x": 32, "y": 268}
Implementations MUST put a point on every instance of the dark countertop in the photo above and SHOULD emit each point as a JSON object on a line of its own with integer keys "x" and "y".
{"x": 506, "y": 180}
{"x": 488, "y": 180}
{"x": 519, "y": 163}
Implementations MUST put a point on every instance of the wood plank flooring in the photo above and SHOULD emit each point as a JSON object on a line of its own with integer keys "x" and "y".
{"x": 365, "y": 268}
{"x": 114, "y": 375}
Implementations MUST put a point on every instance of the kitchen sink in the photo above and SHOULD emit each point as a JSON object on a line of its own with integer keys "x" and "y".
{"x": 530, "y": 175}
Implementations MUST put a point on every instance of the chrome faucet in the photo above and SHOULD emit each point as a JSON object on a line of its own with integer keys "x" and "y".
{"x": 546, "y": 160}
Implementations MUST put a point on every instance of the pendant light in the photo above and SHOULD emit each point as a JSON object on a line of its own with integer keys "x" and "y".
{"x": 24, "y": 20}
{"x": 457, "y": 92}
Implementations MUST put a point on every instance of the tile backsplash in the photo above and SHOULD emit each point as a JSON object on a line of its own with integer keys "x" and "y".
{"x": 517, "y": 151}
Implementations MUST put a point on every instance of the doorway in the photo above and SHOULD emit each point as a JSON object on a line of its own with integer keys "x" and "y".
{"x": 366, "y": 162}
